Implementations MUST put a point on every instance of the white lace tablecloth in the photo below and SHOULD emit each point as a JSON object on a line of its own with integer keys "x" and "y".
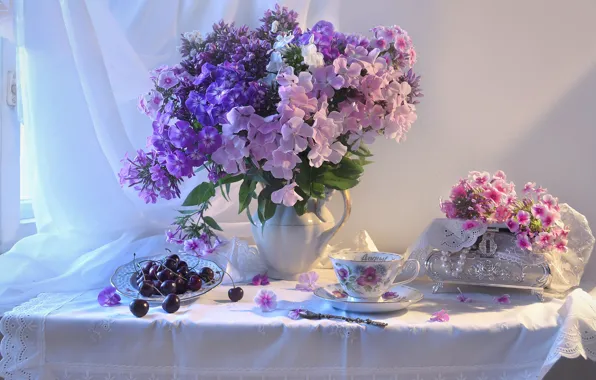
{"x": 69, "y": 336}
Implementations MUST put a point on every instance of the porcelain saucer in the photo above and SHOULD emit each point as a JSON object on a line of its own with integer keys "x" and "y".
{"x": 396, "y": 298}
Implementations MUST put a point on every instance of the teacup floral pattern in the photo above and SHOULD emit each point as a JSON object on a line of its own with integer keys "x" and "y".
{"x": 363, "y": 278}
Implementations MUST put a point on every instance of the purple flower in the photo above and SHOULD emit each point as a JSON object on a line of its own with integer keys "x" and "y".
{"x": 108, "y": 297}
{"x": 209, "y": 140}
{"x": 462, "y": 297}
{"x": 390, "y": 295}
{"x": 307, "y": 282}
{"x": 182, "y": 135}
{"x": 266, "y": 300}
{"x": 167, "y": 79}
{"x": 178, "y": 164}
{"x": 260, "y": 279}
{"x": 342, "y": 274}
{"x": 295, "y": 313}
{"x": 503, "y": 300}
{"x": 368, "y": 277}
{"x": 172, "y": 237}
{"x": 440, "y": 316}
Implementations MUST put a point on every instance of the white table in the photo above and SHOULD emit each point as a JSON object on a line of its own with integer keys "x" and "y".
{"x": 69, "y": 336}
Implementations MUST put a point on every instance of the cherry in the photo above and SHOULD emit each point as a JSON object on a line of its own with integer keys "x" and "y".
{"x": 168, "y": 287}
{"x": 183, "y": 271}
{"x": 207, "y": 274}
{"x": 191, "y": 273}
{"x": 171, "y": 303}
{"x": 153, "y": 272}
{"x": 182, "y": 264}
{"x": 171, "y": 264}
{"x": 156, "y": 286}
{"x": 146, "y": 289}
{"x": 139, "y": 308}
{"x": 174, "y": 256}
{"x": 195, "y": 283}
{"x": 164, "y": 275}
{"x": 180, "y": 285}
{"x": 235, "y": 294}
{"x": 147, "y": 267}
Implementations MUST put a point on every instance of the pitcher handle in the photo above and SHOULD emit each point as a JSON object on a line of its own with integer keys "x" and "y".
{"x": 412, "y": 278}
{"x": 346, "y": 214}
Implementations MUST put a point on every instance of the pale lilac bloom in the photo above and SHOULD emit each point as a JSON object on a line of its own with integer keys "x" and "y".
{"x": 294, "y": 135}
{"x": 318, "y": 155}
{"x": 523, "y": 241}
{"x": 513, "y": 225}
{"x": 327, "y": 80}
{"x": 440, "y": 316}
{"x": 338, "y": 150}
{"x": 108, "y": 297}
{"x": 275, "y": 62}
{"x": 282, "y": 164}
{"x": 503, "y": 300}
{"x": 167, "y": 79}
{"x": 260, "y": 279}
{"x": 307, "y": 282}
{"x": 238, "y": 119}
{"x": 351, "y": 74}
{"x": 462, "y": 297}
{"x": 231, "y": 154}
{"x": 286, "y": 195}
{"x": 171, "y": 237}
{"x": 523, "y": 218}
{"x": 469, "y": 224}
{"x": 266, "y": 300}
{"x": 295, "y": 313}
{"x": 358, "y": 137}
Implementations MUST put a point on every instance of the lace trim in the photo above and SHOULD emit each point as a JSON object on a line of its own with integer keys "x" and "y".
{"x": 22, "y": 329}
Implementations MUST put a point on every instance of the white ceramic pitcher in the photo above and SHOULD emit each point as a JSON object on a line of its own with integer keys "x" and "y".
{"x": 291, "y": 244}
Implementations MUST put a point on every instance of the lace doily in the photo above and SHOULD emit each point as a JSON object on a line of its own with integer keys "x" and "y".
{"x": 22, "y": 329}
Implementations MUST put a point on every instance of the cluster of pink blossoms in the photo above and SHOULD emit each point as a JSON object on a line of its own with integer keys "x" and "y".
{"x": 534, "y": 218}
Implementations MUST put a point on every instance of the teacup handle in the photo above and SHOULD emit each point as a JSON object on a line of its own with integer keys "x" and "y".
{"x": 412, "y": 278}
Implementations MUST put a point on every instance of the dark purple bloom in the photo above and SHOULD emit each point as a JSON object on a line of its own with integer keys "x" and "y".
{"x": 342, "y": 273}
{"x": 108, "y": 297}
{"x": 178, "y": 164}
{"x": 503, "y": 300}
{"x": 324, "y": 27}
{"x": 182, "y": 135}
{"x": 390, "y": 295}
{"x": 198, "y": 107}
{"x": 368, "y": 277}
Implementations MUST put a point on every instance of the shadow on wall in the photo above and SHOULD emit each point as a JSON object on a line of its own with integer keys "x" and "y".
{"x": 569, "y": 177}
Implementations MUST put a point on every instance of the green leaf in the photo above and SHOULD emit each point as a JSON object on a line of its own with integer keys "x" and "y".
{"x": 187, "y": 212}
{"x": 245, "y": 194}
{"x": 200, "y": 194}
{"x": 266, "y": 205}
{"x": 221, "y": 190}
{"x": 250, "y": 217}
{"x": 331, "y": 180}
{"x": 211, "y": 223}
{"x": 362, "y": 151}
{"x": 230, "y": 179}
{"x": 317, "y": 190}
{"x": 300, "y": 207}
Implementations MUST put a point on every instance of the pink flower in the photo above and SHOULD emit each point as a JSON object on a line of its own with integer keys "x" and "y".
{"x": 523, "y": 241}
{"x": 307, "y": 282}
{"x": 458, "y": 190}
{"x": 499, "y": 174}
{"x": 286, "y": 195}
{"x": 440, "y": 316}
{"x": 167, "y": 79}
{"x": 544, "y": 239}
{"x": 266, "y": 300}
{"x": 561, "y": 244}
{"x": 548, "y": 219}
{"x": 493, "y": 194}
{"x": 481, "y": 178}
{"x": 502, "y": 213}
{"x": 523, "y": 218}
{"x": 549, "y": 201}
{"x": 342, "y": 273}
{"x": 449, "y": 209}
{"x": 513, "y": 225}
{"x": 529, "y": 187}
{"x": 260, "y": 279}
{"x": 469, "y": 224}
{"x": 503, "y": 300}
{"x": 538, "y": 210}
{"x": 368, "y": 277}
{"x": 390, "y": 295}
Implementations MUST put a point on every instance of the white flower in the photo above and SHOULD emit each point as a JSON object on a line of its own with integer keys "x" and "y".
{"x": 282, "y": 41}
{"x": 274, "y": 26}
{"x": 311, "y": 56}
{"x": 194, "y": 36}
{"x": 275, "y": 62}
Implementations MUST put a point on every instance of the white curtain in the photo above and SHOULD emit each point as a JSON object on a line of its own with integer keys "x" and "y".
{"x": 82, "y": 66}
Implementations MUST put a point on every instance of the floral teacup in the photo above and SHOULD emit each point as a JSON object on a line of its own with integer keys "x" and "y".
{"x": 369, "y": 274}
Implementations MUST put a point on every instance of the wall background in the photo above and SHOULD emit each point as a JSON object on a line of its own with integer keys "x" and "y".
{"x": 509, "y": 85}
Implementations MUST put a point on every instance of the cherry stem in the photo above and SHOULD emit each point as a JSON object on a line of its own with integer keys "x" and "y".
{"x": 228, "y": 260}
